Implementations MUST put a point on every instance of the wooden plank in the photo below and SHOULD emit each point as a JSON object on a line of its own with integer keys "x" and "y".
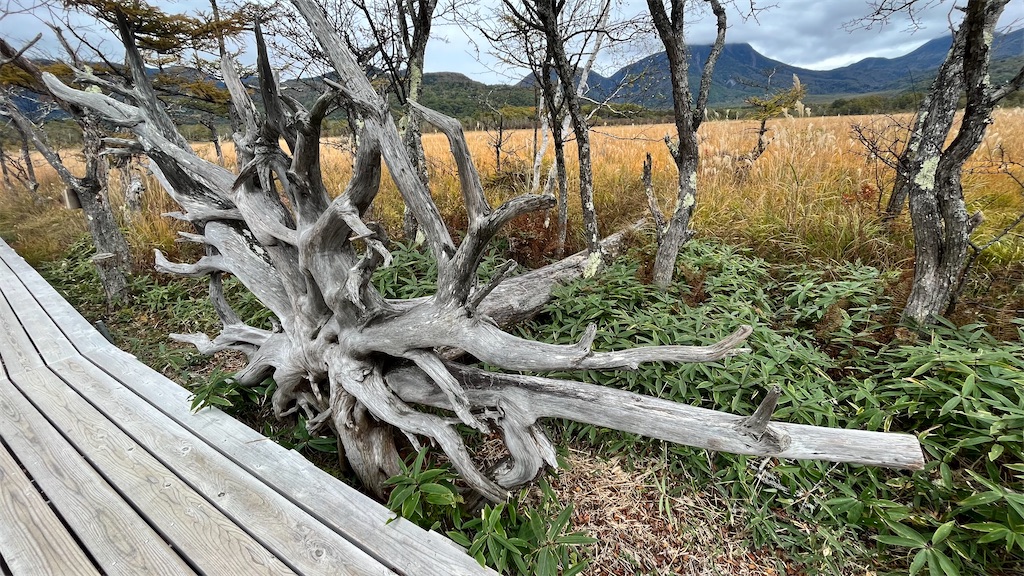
{"x": 54, "y": 346}
{"x": 16, "y": 342}
{"x": 121, "y": 542}
{"x": 63, "y": 314}
{"x": 280, "y": 525}
{"x": 210, "y": 540}
{"x": 33, "y": 540}
{"x": 400, "y": 545}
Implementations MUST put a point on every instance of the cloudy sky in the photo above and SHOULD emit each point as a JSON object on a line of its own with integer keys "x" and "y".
{"x": 807, "y": 33}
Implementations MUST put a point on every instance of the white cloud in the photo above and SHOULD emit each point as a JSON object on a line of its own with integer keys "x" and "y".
{"x": 807, "y": 33}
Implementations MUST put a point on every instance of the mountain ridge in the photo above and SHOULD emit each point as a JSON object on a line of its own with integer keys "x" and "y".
{"x": 739, "y": 73}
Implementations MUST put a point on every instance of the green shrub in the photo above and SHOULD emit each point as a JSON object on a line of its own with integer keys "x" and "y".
{"x": 523, "y": 536}
{"x": 962, "y": 391}
{"x": 821, "y": 335}
{"x": 827, "y": 336}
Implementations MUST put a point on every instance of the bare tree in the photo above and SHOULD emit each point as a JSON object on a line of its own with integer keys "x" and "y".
{"x": 389, "y": 39}
{"x": 774, "y": 103}
{"x": 500, "y": 137}
{"x": 545, "y": 16}
{"x": 558, "y": 42}
{"x": 401, "y": 30}
{"x": 370, "y": 368}
{"x": 23, "y": 170}
{"x": 89, "y": 191}
{"x": 689, "y": 115}
{"x": 929, "y": 170}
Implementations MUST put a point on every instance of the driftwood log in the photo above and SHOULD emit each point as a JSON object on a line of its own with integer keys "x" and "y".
{"x": 369, "y": 368}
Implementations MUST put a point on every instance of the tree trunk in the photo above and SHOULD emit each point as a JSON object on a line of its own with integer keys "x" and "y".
{"x": 540, "y": 144}
{"x": 215, "y": 140}
{"x": 562, "y": 181}
{"x": 688, "y": 118}
{"x": 677, "y": 232}
{"x": 90, "y": 193}
{"x": 31, "y": 182}
{"x": 548, "y": 12}
{"x": 131, "y": 185}
{"x": 112, "y": 255}
{"x": 27, "y": 174}
{"x": 557, "y": 175}
{"x": 415, "y": 20}
{"x": 932, "y": 124}
{"x": 3, "y": 166}
{"x": 930, "y": 171}
{"x": 941, "y": 241}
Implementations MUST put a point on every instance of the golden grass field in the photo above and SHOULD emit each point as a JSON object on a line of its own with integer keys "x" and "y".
{"x": 813, "y": 195}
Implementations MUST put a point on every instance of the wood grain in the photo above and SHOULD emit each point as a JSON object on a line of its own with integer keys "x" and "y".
{"x": 120, "y": 540}
{"x": 15, "y": 342}
{"x": 111, "y": 378}
{"x": 400, "y": 545}
{"x": 52, "y": 347}
{"x": 213, "y": 542}
{"x": 280, "y": 525}
{"x": 63, "y": 314}
{"x": 32, "y": 538}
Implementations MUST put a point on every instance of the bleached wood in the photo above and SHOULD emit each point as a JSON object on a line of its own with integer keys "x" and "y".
{"x": 70, "y": 321}
{"x": 690, "y": 425}
{"x": 20, "y": 303}
{"x": 400, "y": 545}
{"x": 32, "y": 538}
{"x": 193, "y": 525}
{"x": 16, "y": 343}
{"x": 285, "y": 529}
{"x": 120, "y": 540}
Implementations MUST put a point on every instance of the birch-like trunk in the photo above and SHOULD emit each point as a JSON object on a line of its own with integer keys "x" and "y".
{"x": 415, "y": 20}
{"x": 577, "y": 121}
{"x": 548, "y": 12}
{"x": 688, "y": 117}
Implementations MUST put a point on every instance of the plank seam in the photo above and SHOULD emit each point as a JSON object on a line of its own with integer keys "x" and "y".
{"x": 106, "y": 478}
{"x": 241, "y": 463}
{"x": 244, "y": 528}
{"x": 87, "y": 353}
{"x": 99, "y": 470}
{"x": 49, "y": 503}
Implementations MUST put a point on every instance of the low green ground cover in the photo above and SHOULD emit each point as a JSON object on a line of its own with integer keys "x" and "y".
{"x": 827, "y": 335}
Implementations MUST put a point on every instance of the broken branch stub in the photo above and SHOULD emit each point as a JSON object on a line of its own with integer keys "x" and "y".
{"x": 370, "y": 368}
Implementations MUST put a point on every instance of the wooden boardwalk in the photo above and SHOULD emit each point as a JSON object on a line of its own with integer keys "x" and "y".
{"x": 105, "y": 470}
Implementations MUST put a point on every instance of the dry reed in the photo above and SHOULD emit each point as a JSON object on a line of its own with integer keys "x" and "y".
{"x": 813, "y": 195}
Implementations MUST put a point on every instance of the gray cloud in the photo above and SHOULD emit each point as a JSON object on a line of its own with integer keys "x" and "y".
{"x": 808, "y": 33}
{"x": 817, "y": 34}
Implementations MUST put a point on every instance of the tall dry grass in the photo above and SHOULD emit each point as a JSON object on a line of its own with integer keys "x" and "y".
{"x": 813, "y": 195}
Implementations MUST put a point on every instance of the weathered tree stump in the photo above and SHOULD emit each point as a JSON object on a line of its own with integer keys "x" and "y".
{"x": 370, "y": 368}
